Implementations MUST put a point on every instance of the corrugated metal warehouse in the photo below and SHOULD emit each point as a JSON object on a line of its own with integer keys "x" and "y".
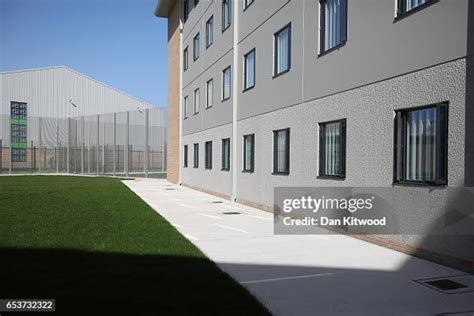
{"x": 58, "y": 120}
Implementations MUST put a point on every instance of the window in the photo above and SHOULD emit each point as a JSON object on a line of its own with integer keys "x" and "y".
{"x": 247, "y": 3}
{"x": 405, "y": 6}
{"x": 209, "y": 93}
{"x": 197, "y": 97}
{"x": 18, "y": 130}
{"x": 209, "y": 31}
{"x": 185, "y": 107}
{"x": 185, "y": 59}
{"x": 333, "y": 24}
{"x": 226, "y": 84}
{"x": 226, "y": 14}
{"x": 208, "y": 154}
{"x": 332, "y": 149}
{"x": 185, "y": 10}
{"x": 249, "y": 152}
{"x": 282, "y": 53}
{"x": 185, "y": 156}
{"x": 421, "y": 145}
{"x": 281, "y": 151}
{"x": 196, "y": 156}
{"x": 226, "y": 154}
{"x": 249, "y": 70}
{"x": 196, "y": 47}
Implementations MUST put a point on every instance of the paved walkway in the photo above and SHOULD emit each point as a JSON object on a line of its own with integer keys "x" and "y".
{"x": 302, "y": 275}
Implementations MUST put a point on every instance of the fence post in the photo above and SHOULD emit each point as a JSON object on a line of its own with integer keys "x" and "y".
{"x": 68, "y": 154}
{"x": 82, "y": 146}
{"x": 125, "y": 155}
{"x": 56, "y": 150}
{"x": 163, "y": 150}
{"x": 97, "y": 148}
{"x": 1, "y": 156}
{"x": 40, "y": 143}
{"x": 115, "y": 145}
{"x": 145, "y": 160}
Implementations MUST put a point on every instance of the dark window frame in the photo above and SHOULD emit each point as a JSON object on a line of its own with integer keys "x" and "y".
{"x": 196, "y": 2}
{"x": 225, "y": 142}
{"x": 198, "y": 37}
{"x": 401, "y": 11}
{"x": 211, "y": 22}
{"x": 275, "y": 152}
{"x": 185, "y": 107}
{"x": 185, "y": 10}
{"x": 252, "y": 155}
{"x": 442, "y": 136}
{"x": 275, "y": 50}
{"x": 254, "y": 51}
{"x": 186, "y": 58}
{"x": 246, "y": 5}
{"x": 196, "y": 156}
{"x": 195, "y": 101}
{"x": 322, "y": 30}
{"x": 209, "y": 105}
{"x": 224, "y": 26}
{"x": 185, "y": 156}
{"x": 223, "y": 98}
{"x": 322, "y": 150}
{"x": 208, "y": 155}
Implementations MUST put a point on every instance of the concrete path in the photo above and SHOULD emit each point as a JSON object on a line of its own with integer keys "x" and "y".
{"x": 302, "y": 275}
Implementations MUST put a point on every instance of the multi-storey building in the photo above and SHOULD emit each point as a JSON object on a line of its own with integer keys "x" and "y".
{"x": 369, "y": 93}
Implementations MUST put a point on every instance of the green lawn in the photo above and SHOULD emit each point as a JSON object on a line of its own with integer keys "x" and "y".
{"x": 97, "y": 248}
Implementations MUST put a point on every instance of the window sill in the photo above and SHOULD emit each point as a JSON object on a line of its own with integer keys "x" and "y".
{"x": 280, "y": 173}
{"x": 331, "y": 177}
{"x": 225, "y": 169}
{"x": 194, "y": 59}
{"x": 247, "y": 171}
{"x": 208, "y": 107}
{"x": 338, "y": 46}
{"x": 281, "y": 73}
{"x": 247, "y": 89}
{"x": 418, "y": 183}
{"x": 223, "y": 100}
{"x": 208, "y": 169}
{"x": 401, "y": 16}
{"x": 247, "y": 6}
{"x": 225, "y": 28}
{"x": 207, "y": 46}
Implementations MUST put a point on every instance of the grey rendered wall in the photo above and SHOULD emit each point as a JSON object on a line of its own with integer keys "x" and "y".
{"x": 377, "y": 48}
{"x": 212, "y": 61}
{"x": 215, "y": 180}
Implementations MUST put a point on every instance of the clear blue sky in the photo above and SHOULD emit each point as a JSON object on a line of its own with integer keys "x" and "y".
{"x": 119, "y": 42}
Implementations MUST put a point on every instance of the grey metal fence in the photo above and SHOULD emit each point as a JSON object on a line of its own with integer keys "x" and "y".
{"x": 122, "y": 144}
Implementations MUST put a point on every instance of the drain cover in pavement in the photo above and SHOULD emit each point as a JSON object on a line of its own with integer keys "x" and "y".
{"x": 217, "y": 202}
{"x": 446, "y": 285}
{"x": 231, "y": 213}
{"x": 455, "y": 284}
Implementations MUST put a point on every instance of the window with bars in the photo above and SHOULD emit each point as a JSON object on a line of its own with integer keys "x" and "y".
{"x": 281, "y": 151}
{"x": 406, "y": 6}
{"x": 333, "y": 24}
{"x": 196, "y": 156}
{"x": 185, "y": 156}
{"x": 282, "y": 51}
{"x": 185, "y": 107}
{"x": 249, "y": 70}
{"x": 209, "y": 93}
{"x": 197, "y": 99}
{"x": 226, "y": 14}
{"x": 185, "y": 59}
{"x": 226, "y": 84}
{"x": 226, "y": 154}
{"x": 18, "y": 131}
{"x": 185, "y": 10}
{"x": 332, "y": 149}
{"x": 196, "y": 47}
{"x": 421, "y": 145}
{"x": 249, "y": 153}
{"x": 209, "y": 31}
{"x": 208, "y": 155}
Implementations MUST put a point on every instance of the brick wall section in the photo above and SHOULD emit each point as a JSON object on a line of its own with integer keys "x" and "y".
{"x": 173, "y": 160}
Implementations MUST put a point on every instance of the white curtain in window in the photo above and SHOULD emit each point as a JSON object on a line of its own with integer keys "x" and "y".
{"x": 283, "y": 50}
{"x": 250, "y": 70}
{"x": 421, "y": 145}
{"x": 226, "y": 83}
{"x": 333, "y": 148}
{"x": 411, "y": 4}
{"x": 334, "y": 13}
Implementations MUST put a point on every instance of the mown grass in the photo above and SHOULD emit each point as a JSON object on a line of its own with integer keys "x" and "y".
{"x": 97, "y": 248}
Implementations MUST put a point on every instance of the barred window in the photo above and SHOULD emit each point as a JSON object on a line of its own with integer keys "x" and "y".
{"x": 332, "y": 153}
{"x": 281, "y": 151}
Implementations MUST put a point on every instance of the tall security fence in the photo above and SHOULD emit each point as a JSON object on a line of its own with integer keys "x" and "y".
{"x": 121, "y": 144}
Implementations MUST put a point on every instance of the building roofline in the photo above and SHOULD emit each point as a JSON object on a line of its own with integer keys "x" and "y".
{"x": 163, "y": 8}
{"x": 82, "y": 75}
